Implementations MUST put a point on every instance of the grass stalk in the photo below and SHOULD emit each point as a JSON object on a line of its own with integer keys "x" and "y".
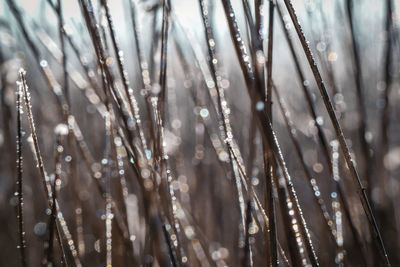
{"x": 339, "y": 132}
{"x": 19, "y": 193}
{"x": 271, "y": 166}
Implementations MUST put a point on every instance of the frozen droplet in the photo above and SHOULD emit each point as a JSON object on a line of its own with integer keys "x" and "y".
{"x": 204, "y": 113}
{"x": 61, "y": 129}
{"x": 260, "y": 105}
{"x": 40, "y": 229}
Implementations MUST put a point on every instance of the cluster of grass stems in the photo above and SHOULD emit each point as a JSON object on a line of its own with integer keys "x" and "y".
{"x": 146, "y": 203}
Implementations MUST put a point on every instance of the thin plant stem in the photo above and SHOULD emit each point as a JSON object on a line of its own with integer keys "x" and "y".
{"x": 339, "y": 132}
{"x": 19, "y": 193}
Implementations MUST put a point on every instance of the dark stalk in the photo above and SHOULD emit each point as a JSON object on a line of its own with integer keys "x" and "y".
{"x": 270, "y": 57}
{"x": 142, "y": 64}
{"x": 256, "y": 49}
{"x": 345, "y": 149}
{"x": 53, "y": 216}
{"x": 388, "y": 63}
{"x": 271, "y": 166}
{"x": 162, "y": 78}
{"x": 40, "y": 165}
{"x": 64, "y": 53}
{"x": 171, "y": 252}
{"x": 248, "y": 258}
{"x": 155, "y": 34}
{"x": 160, "y": 116}
{"x": 365, "y": 144}
{"x": 294, "y": 250}
{"x": 20, "y": 211}
{"x": 107, "y": 182}
{"x": 45, "y": 179}
{"x": 38, "y": 156}
{"x": 224, "y": 121}
{"x": 258, "y": 5}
